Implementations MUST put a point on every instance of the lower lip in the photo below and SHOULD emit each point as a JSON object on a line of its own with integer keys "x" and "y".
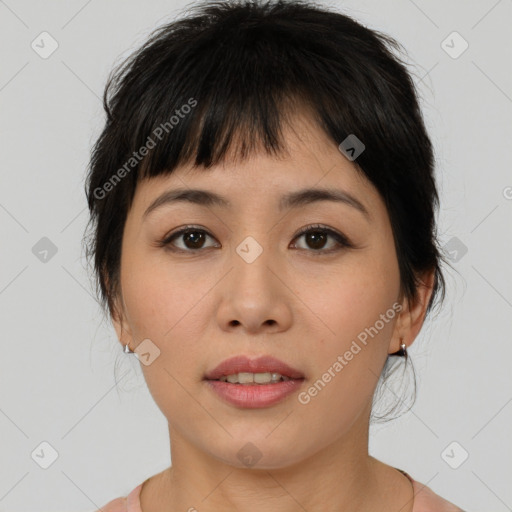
{"x": 254, "y": 396}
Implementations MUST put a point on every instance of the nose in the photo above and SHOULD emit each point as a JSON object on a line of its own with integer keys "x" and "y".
{"x": 255, "y": 296}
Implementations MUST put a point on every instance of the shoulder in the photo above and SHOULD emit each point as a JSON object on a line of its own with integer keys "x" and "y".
{"x": 117, "y": 505}
{"x": 426, "y": 500}
{"x": 130, "y": 503}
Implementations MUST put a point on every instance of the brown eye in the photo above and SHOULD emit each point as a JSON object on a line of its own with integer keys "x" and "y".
{"x": 316, "y": 238}
{"x": 192, "y": 239}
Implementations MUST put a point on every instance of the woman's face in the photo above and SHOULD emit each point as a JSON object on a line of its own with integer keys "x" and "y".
{"x": 245, "y": 283}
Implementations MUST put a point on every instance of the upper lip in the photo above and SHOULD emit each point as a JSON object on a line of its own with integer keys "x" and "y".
{"x": 262, "y": 364}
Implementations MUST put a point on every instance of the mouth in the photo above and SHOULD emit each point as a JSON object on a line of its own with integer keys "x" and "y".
{"x": 254, "y": 383}
{"x": 260, "y": 371}
{"x": 247, "y": 378}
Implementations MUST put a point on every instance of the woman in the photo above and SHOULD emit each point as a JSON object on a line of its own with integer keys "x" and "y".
{"x": 263, "y": 200}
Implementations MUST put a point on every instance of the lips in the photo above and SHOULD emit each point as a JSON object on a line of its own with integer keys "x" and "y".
{"x": 262, "y": 364}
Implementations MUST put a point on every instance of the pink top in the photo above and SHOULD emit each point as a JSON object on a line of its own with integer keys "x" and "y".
{"x": 425, "y": 500}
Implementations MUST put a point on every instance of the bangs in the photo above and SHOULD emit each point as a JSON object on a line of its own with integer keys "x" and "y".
{"x": 220, "y": 129}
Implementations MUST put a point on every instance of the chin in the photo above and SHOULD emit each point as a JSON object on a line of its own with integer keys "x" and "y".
{"x": 261, "y": 453}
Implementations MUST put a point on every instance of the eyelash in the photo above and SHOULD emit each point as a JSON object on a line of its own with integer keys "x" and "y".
{"x": 316, "y": 228}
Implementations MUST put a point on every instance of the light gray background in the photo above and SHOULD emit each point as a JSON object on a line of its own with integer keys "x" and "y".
{"x": 57, "y": 357}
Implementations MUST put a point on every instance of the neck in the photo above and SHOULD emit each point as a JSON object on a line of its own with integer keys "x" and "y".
{"x": 340, "y": 476}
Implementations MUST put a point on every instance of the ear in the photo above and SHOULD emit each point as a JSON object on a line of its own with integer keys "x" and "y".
{"x": 412, "y": 314}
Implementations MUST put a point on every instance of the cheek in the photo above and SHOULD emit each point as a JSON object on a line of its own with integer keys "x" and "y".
{"x": 164, "y": 305}
{"x": 355, "y": 307}
{"x": 348, "y": 360}
{"x": 161, "y": 299}
{"x": 355, "y": 295}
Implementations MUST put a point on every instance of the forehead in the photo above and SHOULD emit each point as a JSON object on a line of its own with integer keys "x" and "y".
{"x": 310, "y": 159}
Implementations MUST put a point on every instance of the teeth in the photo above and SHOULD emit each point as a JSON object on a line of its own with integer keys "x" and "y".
{"x": 251, "y": 378}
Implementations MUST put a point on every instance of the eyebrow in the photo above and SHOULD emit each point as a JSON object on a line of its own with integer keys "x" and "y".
{"x": 295, "y": 199}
